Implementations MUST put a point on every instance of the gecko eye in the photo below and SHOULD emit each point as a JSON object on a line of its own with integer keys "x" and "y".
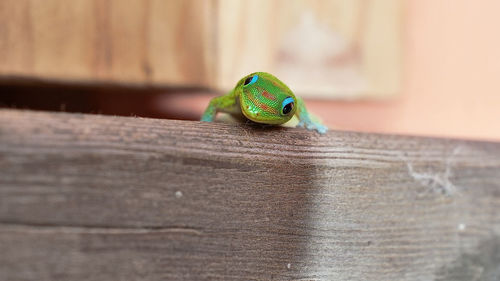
{"x": 287, "y": 105}
{"x": 250, "y": 80}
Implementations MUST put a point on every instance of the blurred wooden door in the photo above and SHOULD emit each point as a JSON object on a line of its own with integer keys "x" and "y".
{"x": 327, "y": 48}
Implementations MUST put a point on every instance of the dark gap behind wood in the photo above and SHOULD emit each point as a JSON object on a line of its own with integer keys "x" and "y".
{"x": 98, "y": 98}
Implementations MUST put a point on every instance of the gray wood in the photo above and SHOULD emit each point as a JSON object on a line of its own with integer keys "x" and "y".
{"x": 88, "y": 197}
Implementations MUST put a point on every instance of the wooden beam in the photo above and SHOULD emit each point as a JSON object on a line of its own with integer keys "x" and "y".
{"x": 88, "y": 197}
{"x": 333, "y": 49}
{"x": 150, "y": 42}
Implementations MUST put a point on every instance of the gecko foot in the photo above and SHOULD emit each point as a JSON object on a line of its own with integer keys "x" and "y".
{"x": 310, "y": 125}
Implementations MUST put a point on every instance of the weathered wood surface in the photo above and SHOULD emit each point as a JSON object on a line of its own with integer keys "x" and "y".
{"x": 85, "y": 197}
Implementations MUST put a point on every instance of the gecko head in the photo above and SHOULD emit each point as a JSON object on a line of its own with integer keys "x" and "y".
{"x": 265, "y": 99}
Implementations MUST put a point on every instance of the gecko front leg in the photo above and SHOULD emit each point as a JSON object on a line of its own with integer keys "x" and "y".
{"x": 305, "y": 120}
{"x": 226, "y": 103}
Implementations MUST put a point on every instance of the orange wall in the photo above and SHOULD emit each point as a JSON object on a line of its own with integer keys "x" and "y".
{"x": 451, "y": 75}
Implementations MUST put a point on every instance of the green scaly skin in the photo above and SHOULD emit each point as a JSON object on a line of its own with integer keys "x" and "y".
{"x": 263, "y": 99}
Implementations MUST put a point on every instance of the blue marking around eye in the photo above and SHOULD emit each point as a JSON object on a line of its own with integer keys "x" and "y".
{"x": 254, "y": 79}
{"x": 286, "y": 101}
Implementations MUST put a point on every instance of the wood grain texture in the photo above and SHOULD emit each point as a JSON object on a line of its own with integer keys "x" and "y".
{"x": 141, "y": 42}
{"x": 325, "y": 48}
{"x": 87, "y": 197}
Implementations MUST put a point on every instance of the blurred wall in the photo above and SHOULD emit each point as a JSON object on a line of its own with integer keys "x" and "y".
{"x": 451, "y": 84}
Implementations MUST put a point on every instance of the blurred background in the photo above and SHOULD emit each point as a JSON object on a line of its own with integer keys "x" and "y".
{"x": 420, "y": 67}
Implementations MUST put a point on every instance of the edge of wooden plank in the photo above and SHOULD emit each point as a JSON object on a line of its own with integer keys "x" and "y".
{"x": 157, "y": 199}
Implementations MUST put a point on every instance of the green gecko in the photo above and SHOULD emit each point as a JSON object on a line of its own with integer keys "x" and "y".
{"x": 262, "y": 98}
